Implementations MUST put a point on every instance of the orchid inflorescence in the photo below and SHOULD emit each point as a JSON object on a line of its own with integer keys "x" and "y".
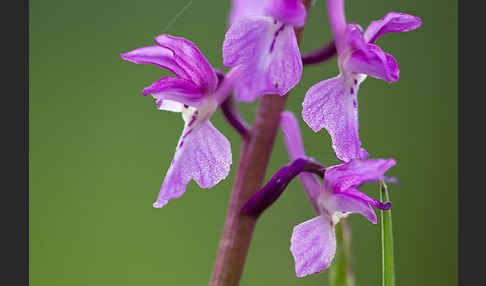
{"x": 261, "y": 48}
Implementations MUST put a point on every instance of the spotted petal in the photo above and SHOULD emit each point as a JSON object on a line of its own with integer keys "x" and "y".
{"x": 203, "y": 154}
{"x": 332, "y": 104}
{"x": 268, "y": 54}
{"x": 313, "y": 245}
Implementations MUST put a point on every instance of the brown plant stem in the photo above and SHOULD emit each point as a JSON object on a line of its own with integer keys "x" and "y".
{"x": 254, "y": 157}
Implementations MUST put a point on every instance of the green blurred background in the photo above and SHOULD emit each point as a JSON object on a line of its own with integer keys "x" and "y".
{"x": 99, "y": 150}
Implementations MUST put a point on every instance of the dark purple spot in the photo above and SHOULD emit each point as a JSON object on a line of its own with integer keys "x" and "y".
{"x": 354, "y": 103}
{"x": 186, "y": 106}
{"x": 355, "y": 81}
{"x": 351, "y": 90}
{"x": 382, "y": 206}
{"x": 193, "y": 119}
{"x": 182, "y": 143}
{"x": 275, "y": 37}
{"x": 187, "y": 133}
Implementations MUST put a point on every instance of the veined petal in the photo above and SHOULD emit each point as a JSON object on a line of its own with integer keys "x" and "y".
{"x": 354, "y": 173}
{"x": 155, "y": 55}
{"x": 242, "y": 38}
{"x": 372, "y": 61}
{"x": 189, "y": 58}
{"x": 268, "y": 54}
{"x": 243, "y": 8}
{"x": 348, "y": 202}
{"x": 393, "y": 22}
{"x": 332, "y": 104}
{"x": 174, "y": 90}
{"x": 290, "y": 12}
{"x": 203, "y": 154}
{"x": 285, "y": 67}
{"x": 313, "y": 245}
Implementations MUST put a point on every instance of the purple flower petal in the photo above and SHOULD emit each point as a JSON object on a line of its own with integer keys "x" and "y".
{"x": 189, "y": 58}
{"x": 370, "y": 201}
{"x": 393, "y": 22}
{"x": 354, "y": 38}
{"x": 351, "y": 202}
{"x": 364, "y": 154}
{"x": 313, "y": 245}
{"x": 227, "y": 85}
{"x": 290, "y": 12}
{"x": 157, "y": 56}
{"x": 285, "y": 67}
{"x": 239, "y": 43}
{"x": 354, "y": 173}
{"x": 295, "y": 148}
{"x": 243, "y": 8}
{"x": 332, "y": 104}
{"x": 173, "y": 89}
{"x": 374, "y": 62}
{"x": 292, "y": 136}
{"x": 203, "y": 154}
{"x": 337, "y": 20}
{"x": 268, "y": 54}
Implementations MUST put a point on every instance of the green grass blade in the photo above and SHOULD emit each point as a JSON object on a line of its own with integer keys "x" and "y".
{"x": 341, "y": 273}
{"x": 388, "y": 266}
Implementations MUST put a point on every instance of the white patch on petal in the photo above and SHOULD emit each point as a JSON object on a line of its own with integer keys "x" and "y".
{"x": 188, "y": 113}
{"x": 361, "y": 77}
{"x": 336, "y": 217}
{"x": 327, "y": 210}
{"x": 170, "y": 105}
{"x": 193, "y": 117}
{"x": 269, "y": 43}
